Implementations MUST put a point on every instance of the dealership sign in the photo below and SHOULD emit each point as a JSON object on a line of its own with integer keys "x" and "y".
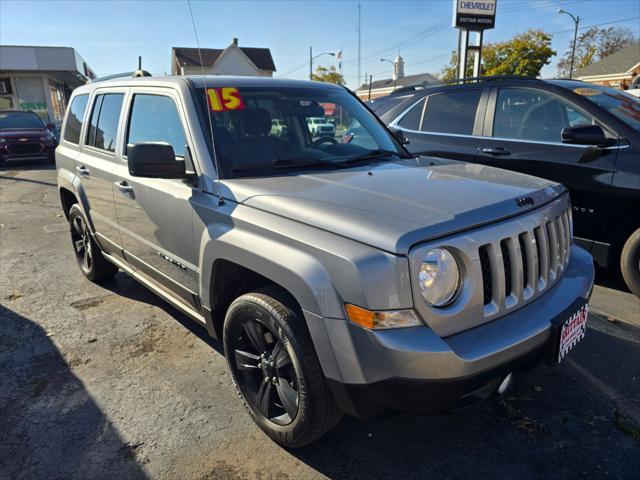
{"x": 474, "y": 14}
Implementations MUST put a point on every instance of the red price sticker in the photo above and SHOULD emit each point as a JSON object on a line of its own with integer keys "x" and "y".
{"x": 225, "y": 98}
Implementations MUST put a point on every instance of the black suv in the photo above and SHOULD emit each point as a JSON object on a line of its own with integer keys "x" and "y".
{"x": 582, "y": 135}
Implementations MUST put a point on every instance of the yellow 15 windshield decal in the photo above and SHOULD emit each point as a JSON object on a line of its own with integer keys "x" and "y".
{"x": 225, "y": 98}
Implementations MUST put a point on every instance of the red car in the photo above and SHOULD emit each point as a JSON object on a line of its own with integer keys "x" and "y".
{"x": 24, "y": 136}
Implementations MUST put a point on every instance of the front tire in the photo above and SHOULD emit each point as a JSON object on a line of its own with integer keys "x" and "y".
{"x": 630, "y": 263}
{"x": 275, "y": 369}
{"x": 88, "y": 254}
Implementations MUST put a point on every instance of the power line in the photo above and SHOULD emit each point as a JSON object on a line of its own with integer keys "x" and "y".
{"x": 302, "y": 65}
{"x": 599, "y": 24}
{"x": 405, "y": 43}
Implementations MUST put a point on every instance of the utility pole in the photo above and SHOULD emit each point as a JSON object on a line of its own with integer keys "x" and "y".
{"x": 370, "y": 82}
{"x": 576, "y": 21}
{"x": 359, "y": 44}
{"x": 139, "y": 62}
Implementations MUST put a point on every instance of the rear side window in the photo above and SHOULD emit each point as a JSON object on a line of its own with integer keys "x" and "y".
{"x": 75, "y": 119}
{"x": 413, "y": 118}
{"x": 155, "y": 118}
{"x": 103, "y": 127}
{"x": 453, "y": 112}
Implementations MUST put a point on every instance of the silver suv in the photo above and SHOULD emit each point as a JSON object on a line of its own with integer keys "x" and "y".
{"x": 339, "y": 277}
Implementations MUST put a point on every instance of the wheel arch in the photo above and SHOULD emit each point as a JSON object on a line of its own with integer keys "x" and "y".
{"x": 242, "y": 261}
{"x": 67, "y": 200}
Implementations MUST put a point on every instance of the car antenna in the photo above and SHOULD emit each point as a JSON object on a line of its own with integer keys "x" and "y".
{"x": 204, "y": 81}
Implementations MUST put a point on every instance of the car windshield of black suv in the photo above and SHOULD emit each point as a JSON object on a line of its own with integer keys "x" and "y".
{"x": 19, "y": 120}
{"x": 261, "y": 131}
{"x": 624, "y": 106}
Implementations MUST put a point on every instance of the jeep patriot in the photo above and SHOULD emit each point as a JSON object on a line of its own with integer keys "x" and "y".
{"x": 339, "y": 277}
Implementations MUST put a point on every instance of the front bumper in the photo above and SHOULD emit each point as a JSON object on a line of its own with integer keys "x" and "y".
{"x": 34, "y": 150}
{"x": 372, "y": 373}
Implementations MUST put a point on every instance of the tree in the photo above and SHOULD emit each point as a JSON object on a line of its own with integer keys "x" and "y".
{"x": 525, "y": 54}
{"x": 594, "y": 44}
{"x": 329, "y": 75}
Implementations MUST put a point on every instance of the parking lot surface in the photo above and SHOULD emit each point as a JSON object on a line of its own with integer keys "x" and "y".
{"x": 108, "y": 381}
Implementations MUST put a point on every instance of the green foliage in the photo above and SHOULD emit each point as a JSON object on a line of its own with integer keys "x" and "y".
{"x": 328, "y": 74}
{"x": 595, "y": 44}
{"x": 525, "y": 54}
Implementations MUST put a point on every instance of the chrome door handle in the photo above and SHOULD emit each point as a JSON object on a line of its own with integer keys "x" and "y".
{"x": 496, "y": 151}
{"x": 83, "y": 171}
{"x": 126, "y": 189}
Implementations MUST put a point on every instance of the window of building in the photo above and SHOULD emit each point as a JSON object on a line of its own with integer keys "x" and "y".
{"x": 75, "y": 119}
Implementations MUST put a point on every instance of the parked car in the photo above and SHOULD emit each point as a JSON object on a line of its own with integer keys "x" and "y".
{"x": 582, "y": 135}
{"x": 339, "y": 278}
{"x": 358, "y": 135}
{"x": 278, "y": 128}
{"x": 24, "y": 136}
{"x": 321, "y": 127}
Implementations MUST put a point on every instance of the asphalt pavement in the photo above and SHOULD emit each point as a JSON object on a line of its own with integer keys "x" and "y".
{"x": 108, "y": 381}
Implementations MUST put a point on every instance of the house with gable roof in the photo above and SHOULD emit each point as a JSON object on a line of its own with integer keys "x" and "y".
{"x": 233, "y": 60}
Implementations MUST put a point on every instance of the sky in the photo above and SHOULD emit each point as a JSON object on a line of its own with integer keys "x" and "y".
{"x": 110, "y": 35}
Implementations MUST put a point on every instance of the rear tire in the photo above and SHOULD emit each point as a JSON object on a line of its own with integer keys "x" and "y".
{"x": 88, "y": 254}
{"x": 275, "y": 369}
{"x": 630, "y": 263}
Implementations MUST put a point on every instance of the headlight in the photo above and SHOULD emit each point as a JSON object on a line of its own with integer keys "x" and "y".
{"x": 439, "y": 277}
{"x": 2, "y": 140}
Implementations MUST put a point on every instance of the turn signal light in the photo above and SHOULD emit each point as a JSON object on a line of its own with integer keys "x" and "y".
{"x": 382, "y": 319}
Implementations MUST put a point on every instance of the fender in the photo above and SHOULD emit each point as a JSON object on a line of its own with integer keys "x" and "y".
{"x": 302, "y": 274}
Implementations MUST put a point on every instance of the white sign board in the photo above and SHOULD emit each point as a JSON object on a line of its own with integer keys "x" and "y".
{"x": 474, "y": 14}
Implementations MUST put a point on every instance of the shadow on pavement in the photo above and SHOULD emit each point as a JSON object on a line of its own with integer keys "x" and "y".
{"x": 23, "y": 165}
{"x": 555, "y": 423}
{"x": 50, "y": 426}
{"x": 125, "y": 286}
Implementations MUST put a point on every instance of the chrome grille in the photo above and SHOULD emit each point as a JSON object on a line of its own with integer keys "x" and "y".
{"x": 517, "y": 267}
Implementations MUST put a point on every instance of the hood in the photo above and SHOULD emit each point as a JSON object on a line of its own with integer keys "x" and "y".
{"x": 394, "y": 205}
{"x": 24, "y": 132}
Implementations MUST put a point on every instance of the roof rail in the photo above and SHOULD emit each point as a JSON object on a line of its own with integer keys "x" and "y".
{"x": 461, "y": 81}
{"x": 488, "y": 78}
{"x": 137, "y": 73}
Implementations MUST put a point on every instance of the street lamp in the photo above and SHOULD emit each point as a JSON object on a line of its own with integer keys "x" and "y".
{"x": 395, "y": 78}
{"x": 312, "y": 58}
{"x": 576, "y": 21}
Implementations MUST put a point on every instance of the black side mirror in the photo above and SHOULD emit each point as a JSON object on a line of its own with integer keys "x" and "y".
{"x": 399, "y": 136}
{"x": 584, "y": 135}
{"x": 154, "y": 160}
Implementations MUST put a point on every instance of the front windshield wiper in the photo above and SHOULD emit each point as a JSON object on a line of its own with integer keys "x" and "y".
{"x": 290, "y": 163}
{"x": 377, "y": 153}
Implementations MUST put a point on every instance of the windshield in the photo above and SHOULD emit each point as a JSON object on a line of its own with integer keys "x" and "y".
{"x": 246, "y": 144}
{"x": 19, "y": 120}
{"x": 624, "y": 106}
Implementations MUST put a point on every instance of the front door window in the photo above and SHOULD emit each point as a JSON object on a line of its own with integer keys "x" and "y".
{"x": 534, "y": 115}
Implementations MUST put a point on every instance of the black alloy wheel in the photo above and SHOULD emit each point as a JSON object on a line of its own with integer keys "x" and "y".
{"x": 92, "y": 263}
{"x": 264, "y": 371}
{"x": 82, "y": 243}
{"x": 275, "y": 369}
